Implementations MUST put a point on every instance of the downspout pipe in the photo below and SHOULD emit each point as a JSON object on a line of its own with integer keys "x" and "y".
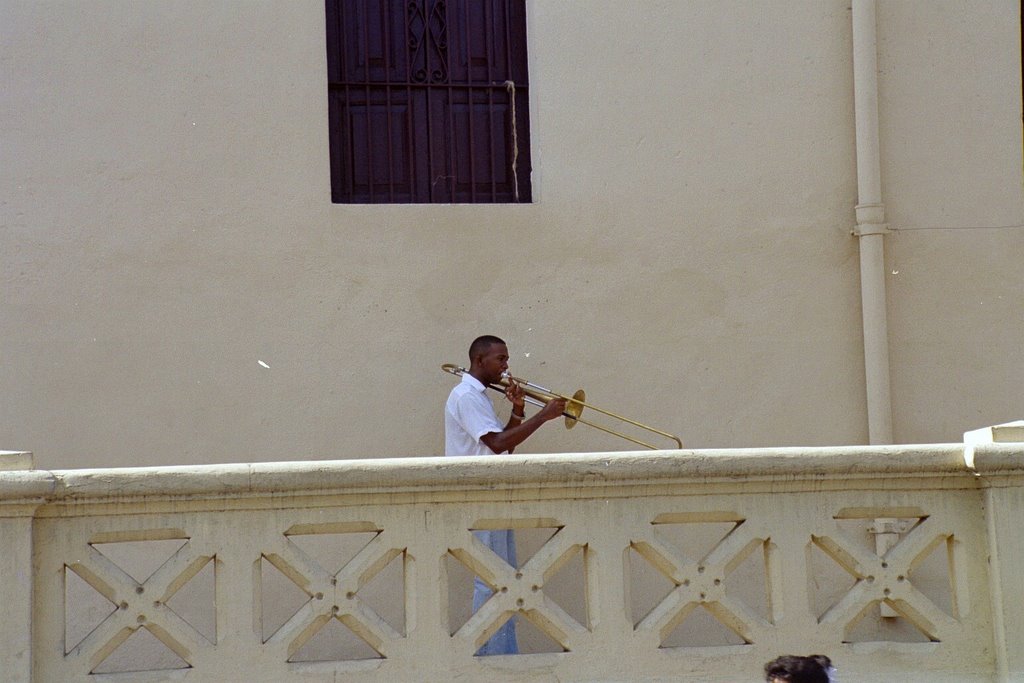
{"x": 871, "y": 227}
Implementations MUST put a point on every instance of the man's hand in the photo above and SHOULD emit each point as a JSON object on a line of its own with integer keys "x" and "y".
{"x": 553, "y": 409}
{"x": 517, "y": 396}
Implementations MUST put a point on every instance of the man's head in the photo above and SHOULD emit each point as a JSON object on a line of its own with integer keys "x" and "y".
{"x": 488, "y": 358}
{"x": 793, "y": 669}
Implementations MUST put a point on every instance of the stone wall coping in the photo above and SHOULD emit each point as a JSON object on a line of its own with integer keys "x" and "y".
{"x": 15, "y": 460}
{"x": 578, "y": 470}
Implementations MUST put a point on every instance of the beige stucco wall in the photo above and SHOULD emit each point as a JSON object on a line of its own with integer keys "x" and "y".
{"x": 952, "y": 156}
{"x": 166, "y": 225}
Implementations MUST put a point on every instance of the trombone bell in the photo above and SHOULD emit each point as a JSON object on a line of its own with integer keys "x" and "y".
{"x": 574, "y": 408}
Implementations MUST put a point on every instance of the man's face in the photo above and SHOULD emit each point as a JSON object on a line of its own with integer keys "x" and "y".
{"x": 494, "y": 362}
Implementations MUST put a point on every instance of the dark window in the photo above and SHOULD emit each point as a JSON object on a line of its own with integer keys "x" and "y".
{"x": 428, "y": 101}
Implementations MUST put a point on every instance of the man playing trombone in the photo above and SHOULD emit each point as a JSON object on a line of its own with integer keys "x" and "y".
{"x": 471, "y": 427}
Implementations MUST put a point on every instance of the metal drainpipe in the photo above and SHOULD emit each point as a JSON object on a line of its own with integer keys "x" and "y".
{"x": 871, "y": 226}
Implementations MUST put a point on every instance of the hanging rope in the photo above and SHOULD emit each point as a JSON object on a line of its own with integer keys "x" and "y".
{"x": 511, "y": 88}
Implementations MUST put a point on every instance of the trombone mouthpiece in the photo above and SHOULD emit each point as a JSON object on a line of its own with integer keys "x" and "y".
{"x": 506, "y": 374}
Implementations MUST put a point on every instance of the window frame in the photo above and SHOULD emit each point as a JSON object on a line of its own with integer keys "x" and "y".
{"x": 428, "y": 101}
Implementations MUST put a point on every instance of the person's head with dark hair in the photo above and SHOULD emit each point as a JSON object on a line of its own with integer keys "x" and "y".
{"x": 794, "y": 669}
{"x": 826, "y": 664}
{"x": 488, "y": 359}
{"x": 482, "y": 344}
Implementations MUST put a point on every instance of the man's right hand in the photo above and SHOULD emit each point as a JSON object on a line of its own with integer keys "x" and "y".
{"x": 552, "y": 409}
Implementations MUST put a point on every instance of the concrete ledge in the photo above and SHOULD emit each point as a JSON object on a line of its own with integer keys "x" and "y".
{"x": 15, "y": 460}
{"x": 1011, "y": 432}
{"x": 784, "y": 505}
{"x": 998, "y": 458}
{"x": 698, "y": 468}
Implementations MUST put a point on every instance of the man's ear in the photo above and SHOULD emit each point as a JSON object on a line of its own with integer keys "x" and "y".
{"x": 479, "y": 357}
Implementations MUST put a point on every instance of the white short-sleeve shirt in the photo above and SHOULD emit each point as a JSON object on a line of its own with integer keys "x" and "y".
{"x": 468, "y": 415}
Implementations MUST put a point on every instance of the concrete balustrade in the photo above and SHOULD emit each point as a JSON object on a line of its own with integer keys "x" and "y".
{"x": 896, "y": 561}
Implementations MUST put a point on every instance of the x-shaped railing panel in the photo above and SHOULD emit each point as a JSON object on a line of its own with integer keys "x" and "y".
{"x": 701, "y": 582}
{"x": 139, "y": 605}
{"x": 887, "y": 579}
{"x": 334, "y": 596}
{"x": 520, "y": 591}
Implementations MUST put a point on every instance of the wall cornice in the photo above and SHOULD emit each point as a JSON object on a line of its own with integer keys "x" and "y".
{"x": 518, "y": 477}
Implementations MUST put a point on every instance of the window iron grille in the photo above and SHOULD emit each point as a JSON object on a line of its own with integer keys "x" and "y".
{"x": 428, "y": 101}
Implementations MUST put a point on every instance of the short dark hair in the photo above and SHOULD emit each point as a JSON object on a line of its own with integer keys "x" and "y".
{"x": 793, "y": 669}
{"x": 482, "y": 343}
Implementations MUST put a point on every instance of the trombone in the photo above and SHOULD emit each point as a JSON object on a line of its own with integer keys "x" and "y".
{"x": 539, "y": 396}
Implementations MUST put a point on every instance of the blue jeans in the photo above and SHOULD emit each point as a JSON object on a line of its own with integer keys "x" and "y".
{"x": 502, "y": 542}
